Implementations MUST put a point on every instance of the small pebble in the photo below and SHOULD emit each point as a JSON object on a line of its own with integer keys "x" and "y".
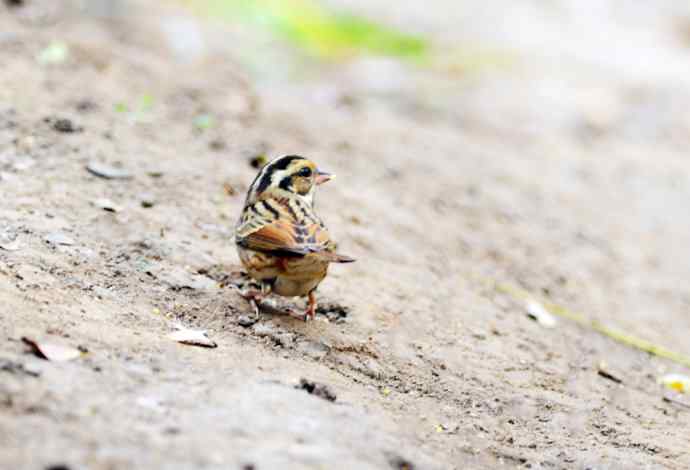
{"x": 147, "y": 200}
{"x": 107, "y": 205}
{"x": 59, "y": 239}
{"x": 65, "y": 125}
{"x": 317, "y": 389}
{"x": 246, "y": 321}
{"x": 106, "y": 171}
{"x": 258, "y": 161}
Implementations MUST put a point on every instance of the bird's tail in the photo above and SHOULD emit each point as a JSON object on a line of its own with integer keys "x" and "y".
{"x": 333, "y": 257}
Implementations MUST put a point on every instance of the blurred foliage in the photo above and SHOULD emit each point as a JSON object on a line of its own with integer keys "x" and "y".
{"x": 315, "y": 29}
{"x": 56, "y": 53}
{"x": 138, "y": 112}
{"x": 203, "y": 122}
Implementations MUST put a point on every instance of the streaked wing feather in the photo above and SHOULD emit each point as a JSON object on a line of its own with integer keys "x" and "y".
{"x": 275, "y": 236}
{"x": 286, "y": 235}
{"x": 282, "y": 237}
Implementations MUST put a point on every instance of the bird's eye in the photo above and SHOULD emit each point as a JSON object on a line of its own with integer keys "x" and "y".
{"x": 306, "y": 172}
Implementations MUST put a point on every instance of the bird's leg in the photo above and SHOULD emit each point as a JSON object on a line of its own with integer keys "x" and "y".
{"x": 255, "y": 296}
{"x": 311, "y": 306}
{"x": 295, "y": 314}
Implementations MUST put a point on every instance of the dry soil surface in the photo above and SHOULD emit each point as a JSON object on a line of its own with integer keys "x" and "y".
{"x": 545, "y": 148}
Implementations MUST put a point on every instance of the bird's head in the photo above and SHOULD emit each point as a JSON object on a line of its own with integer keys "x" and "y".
{"x": 287, "y": 176}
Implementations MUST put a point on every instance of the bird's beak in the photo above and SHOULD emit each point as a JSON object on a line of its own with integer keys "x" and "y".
{"x": 322, "y": 177}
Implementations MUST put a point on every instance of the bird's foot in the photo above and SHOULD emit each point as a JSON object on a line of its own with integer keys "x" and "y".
{"x": 254, "y": 297}
{"x": 297, "y": 314}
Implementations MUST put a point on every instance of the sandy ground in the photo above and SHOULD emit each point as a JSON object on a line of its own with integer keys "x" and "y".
{"x": 548, "y": 150}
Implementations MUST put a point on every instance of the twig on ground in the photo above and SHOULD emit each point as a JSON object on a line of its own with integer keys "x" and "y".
{"x": 615, "y": 334}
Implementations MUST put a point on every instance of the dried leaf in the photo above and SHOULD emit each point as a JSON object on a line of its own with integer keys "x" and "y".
{"x": 537, "y": 312}
{"x": 192, "y": 338}
{"x": 229, "y": 189}
{"x": 51, "y": 351}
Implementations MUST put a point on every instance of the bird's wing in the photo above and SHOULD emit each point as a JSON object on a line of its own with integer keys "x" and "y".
{"x": 270, "y": 228}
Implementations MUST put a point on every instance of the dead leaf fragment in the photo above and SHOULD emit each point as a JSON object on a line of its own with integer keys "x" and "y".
{"x": 52, "y": 352}
{"x": 229, "y": 189}
{"x": 193, "y": 338}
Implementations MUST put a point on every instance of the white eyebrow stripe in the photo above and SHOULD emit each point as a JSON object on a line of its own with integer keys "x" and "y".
{"x": 276, "y": 175}
{"x": 251, "y": 195}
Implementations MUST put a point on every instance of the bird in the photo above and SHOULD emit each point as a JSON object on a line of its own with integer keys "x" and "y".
{"x": 281, "y": 242}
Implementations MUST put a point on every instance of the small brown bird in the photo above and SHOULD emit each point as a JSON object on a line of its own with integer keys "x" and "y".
{"x": 282, "y": 243}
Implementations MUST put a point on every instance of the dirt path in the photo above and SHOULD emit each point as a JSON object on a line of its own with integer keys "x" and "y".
{"x": 561, "y": 169}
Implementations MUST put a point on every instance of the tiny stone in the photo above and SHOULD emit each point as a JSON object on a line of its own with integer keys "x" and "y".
{"x": 246, "y": 321}
{"x": 86, "y": 105}
{"x": 65, "y": 125}
{"x": 258, "y": 161}
{"x": 217, "y": 145}
{"x": 264, "y": 329}
{"x": 58, "y": 467}
{"x": 107, "y": 205}
{"x": 106, "y": 171}
{"x": 317, "y": 389}
{"x": 147, "y": 200}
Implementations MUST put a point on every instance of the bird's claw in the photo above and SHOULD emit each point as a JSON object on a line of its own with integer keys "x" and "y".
{"x": 297, "y": 314}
